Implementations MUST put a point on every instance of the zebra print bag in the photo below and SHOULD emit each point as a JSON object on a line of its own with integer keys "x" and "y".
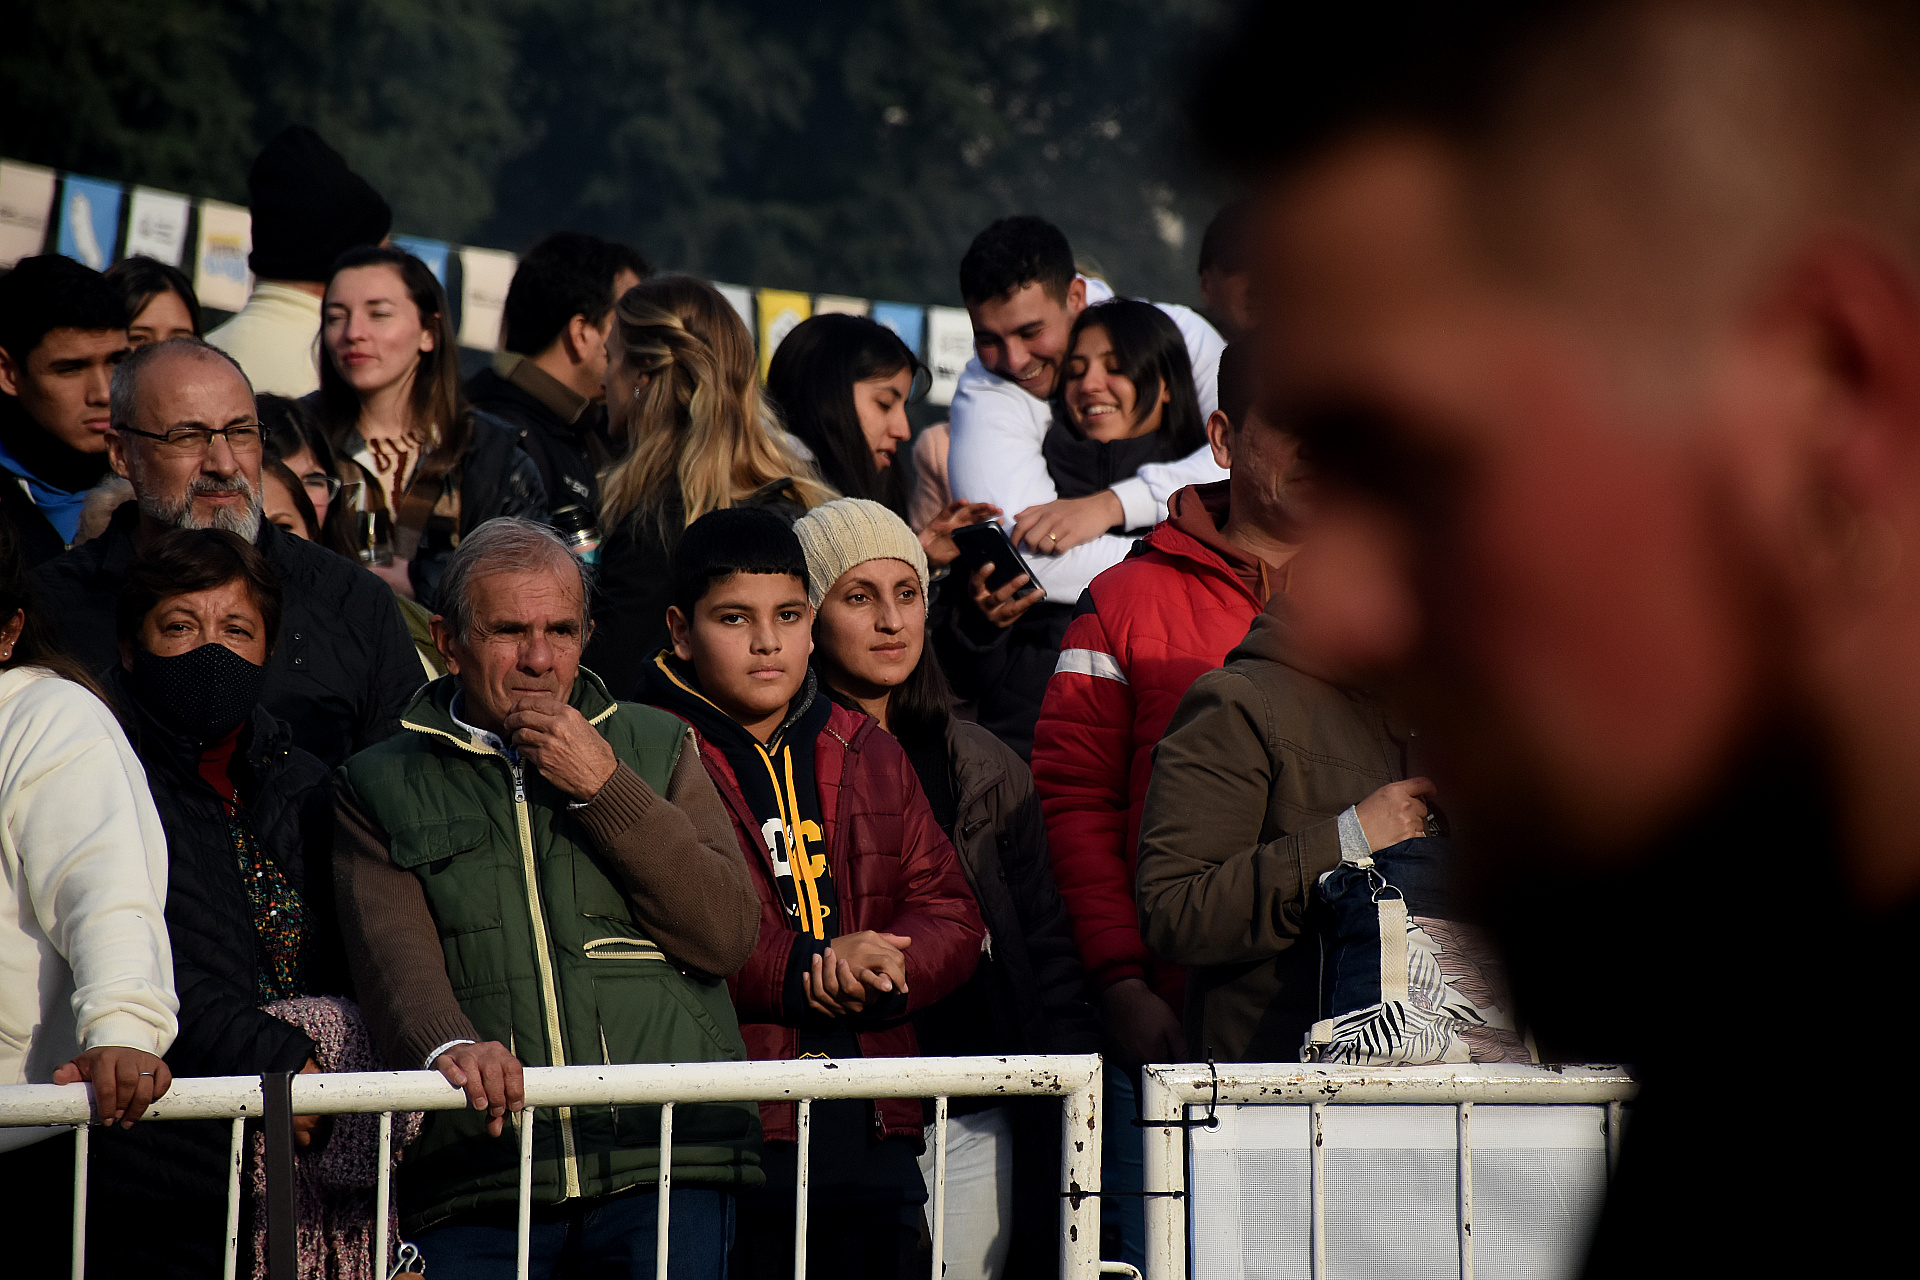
{"x": 1401, "y": 980}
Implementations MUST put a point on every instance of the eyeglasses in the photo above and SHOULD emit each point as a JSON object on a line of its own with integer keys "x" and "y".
{"x": 324, "y": 487}
{"x": 190, "y": 440}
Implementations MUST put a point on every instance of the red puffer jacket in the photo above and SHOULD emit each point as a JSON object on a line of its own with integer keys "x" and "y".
{"x": 1147, "y": 628}
{"x": 893, "y": 869}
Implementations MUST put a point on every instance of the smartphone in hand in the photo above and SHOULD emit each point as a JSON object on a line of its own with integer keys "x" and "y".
{"x": 988, "y": 543}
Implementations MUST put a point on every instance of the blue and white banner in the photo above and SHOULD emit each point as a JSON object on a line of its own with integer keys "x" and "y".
{"x": 906, "y": 320}
{"x": 89, "y": 220}
{"x": 432, "y": 252}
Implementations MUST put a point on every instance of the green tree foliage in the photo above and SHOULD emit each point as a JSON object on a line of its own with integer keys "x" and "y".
{"x": 848, "y": 147}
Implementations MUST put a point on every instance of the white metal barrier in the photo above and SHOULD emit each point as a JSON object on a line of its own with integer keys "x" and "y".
{"x": 1074, "y": 1079}
{"x": 1169, "y": 1092}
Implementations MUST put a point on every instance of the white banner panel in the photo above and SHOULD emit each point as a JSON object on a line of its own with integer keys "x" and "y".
{"x": 220, "y": 274}
{"x": 485, "y": 275}
{"x": 949, "y": 347}
{"x": 827, "y": 304}
{"x": 1539, "y": 1174}
{"x": 157, "y": 225}
{"x": 26, "y": 203}
{"x": 740, "y": 298}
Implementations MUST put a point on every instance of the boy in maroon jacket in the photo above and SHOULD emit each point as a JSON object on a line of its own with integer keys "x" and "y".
{"x": 865, "y": 915}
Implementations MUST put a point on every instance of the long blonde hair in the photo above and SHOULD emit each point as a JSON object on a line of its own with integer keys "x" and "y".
{"x": 700, "y": 419}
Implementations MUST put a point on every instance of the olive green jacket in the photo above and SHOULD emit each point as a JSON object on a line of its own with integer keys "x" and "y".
{"x": 1241, "y": 819}
{"x": 546, "y": 956}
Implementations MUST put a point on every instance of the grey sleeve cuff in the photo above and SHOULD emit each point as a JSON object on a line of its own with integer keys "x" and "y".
{"x": 1353, "y": 840}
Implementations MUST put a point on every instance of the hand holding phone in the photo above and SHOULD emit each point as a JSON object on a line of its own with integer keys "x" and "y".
{"x": 987, "y": 543}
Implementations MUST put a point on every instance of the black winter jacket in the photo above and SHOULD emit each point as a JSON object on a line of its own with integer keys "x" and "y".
{"x": 288, "y": 796}
{"x": 341, "y": 673}
{"x": 36, "y": 450}
{"x": 175, "y": 1173}
{"x": 568, "y": 454}
{"x": 1031, "y": 978}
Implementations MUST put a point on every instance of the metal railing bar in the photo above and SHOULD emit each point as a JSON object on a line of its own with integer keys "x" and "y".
{"x": 1317, "y": 1190}
{"x": 383, "y": 1197}
{"x": 222, "y": 1097}
{"x": 939, "y": 1185}
{"x": 1464, "y": 1123}
{"x": 525, "y": 1242}
{"x": 79, "y": 1202}
{"x": 664, "y": 1220}
{"x": 236, "y": 1153}
{"x": 1489, "y": 1084}
{"x": 1080, "y": 1180}
{"x": 1164, "y": 1169}
{"x": 803, "y": 1122}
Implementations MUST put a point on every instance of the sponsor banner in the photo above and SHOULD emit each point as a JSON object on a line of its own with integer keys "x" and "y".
{"x": 220, "y": 274}
{"x": 157, "y": 226}
{"x": 485, "y": 275}
{"x": 740, "y": 298}
{"x": 432, "y": 252}
{"x": 26, "y": 205}
{"x": 780, "y": 311}
{"x": 828, "y": 304}
{"x": 906, "y": 320}
{"x": 949, "y": 347}
{"x": 89, "y": 220}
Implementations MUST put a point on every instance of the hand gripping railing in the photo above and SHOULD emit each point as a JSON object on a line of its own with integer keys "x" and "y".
{"x": 1168, "y": 1091}
{"x": 1074, "y": 1079}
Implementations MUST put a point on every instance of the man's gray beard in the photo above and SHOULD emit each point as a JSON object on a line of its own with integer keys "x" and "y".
{"x": 179, "y": 515}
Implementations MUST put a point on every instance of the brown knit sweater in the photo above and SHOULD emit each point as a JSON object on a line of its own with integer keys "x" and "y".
{"x": 675, "y": 859}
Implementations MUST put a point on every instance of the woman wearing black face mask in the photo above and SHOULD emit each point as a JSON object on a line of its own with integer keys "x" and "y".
{"x": 248, "y": 819}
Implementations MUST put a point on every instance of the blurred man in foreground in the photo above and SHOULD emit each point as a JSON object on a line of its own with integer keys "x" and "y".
{"x": 1604, "y": 327}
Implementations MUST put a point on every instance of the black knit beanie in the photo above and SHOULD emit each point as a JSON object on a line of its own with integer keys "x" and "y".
{"x": 309, "y": 208}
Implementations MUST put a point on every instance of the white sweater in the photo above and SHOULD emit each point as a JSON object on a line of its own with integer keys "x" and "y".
{"x": 84, "y": 956}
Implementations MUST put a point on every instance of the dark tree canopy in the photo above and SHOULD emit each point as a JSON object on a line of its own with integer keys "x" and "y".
{"x": 849, "y": 147}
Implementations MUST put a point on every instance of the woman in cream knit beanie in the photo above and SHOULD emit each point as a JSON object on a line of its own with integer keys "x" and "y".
{"x": 849, "y": 531}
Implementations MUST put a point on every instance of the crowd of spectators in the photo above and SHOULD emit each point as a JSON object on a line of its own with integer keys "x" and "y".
{"x": 1553, "y": 416}
{"x": 611, "y": 707}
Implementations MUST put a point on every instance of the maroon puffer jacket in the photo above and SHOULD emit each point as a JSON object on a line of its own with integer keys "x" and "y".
{"x": 893, "y": 869}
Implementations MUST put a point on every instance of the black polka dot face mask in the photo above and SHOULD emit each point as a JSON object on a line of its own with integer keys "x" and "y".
{"x": 204, "y": 693}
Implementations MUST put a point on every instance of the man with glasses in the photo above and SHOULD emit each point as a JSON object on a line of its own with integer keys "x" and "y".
{"x": 186, "y": 437}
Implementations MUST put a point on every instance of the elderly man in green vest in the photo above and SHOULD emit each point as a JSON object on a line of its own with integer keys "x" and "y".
{"x": 532, "y": 873}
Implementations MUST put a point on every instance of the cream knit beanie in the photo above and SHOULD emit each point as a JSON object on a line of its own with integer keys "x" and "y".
{"x": 848, "y": 531}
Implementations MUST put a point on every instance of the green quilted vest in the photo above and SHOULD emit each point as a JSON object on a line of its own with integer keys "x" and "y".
{"x": 546, "y": 957}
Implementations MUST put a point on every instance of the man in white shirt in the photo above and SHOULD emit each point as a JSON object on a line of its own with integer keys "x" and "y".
{"x": 308, "y": 209}
{"x": 1023, "y": 293}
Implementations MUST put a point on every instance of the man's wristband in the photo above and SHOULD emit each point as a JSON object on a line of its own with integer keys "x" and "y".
{"x": 451, "y": 1044}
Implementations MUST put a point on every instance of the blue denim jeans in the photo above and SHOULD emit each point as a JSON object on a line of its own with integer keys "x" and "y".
{"x": 614, "y": 1240}
{"x": 1123, "y": 1155}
